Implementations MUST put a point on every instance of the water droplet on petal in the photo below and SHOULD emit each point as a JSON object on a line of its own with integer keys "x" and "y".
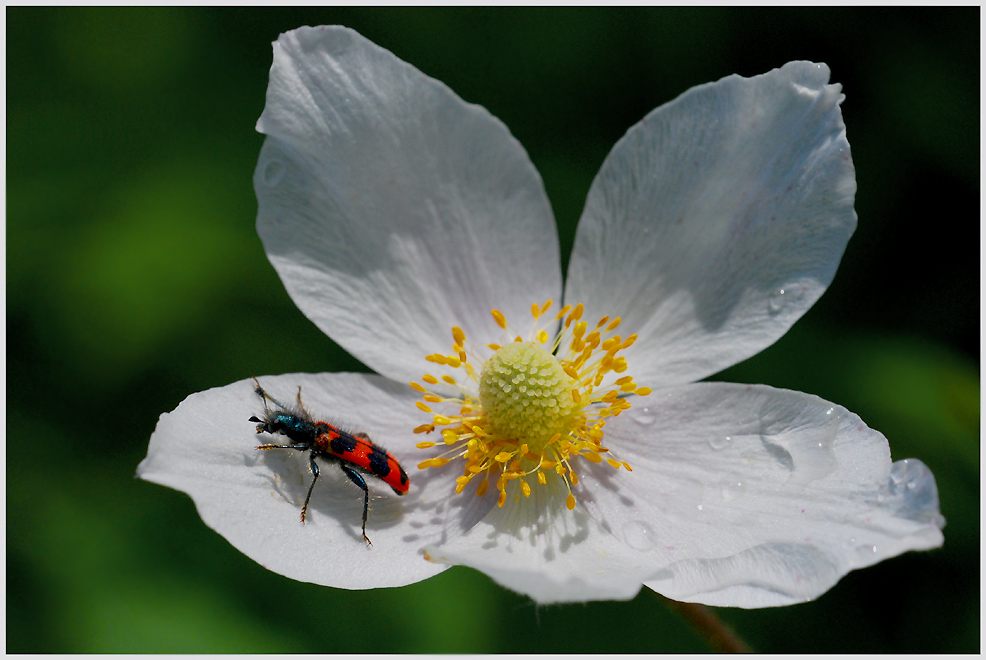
{"x": 806, "y": 451}
{"x": 732, "y": 487}
{"x": 273, "y": 172}
{"x": 866, "y": 552}
{"x": 784, "y": 296}
{"x": 776, "y": 301}
{"x": 720, "y": 443}
{"x": 639, "y": 535}
{"x": 911, "y": 492}
{"x": 643, "y": 418}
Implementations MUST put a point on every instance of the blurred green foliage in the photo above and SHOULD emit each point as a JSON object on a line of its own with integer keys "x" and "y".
{"x": 135, "y": 277}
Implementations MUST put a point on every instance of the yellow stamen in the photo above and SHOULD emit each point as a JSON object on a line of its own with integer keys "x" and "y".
{"x": 532, "y": 406}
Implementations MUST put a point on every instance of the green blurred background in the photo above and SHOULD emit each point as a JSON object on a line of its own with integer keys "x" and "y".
{"x": 135, "y": 277}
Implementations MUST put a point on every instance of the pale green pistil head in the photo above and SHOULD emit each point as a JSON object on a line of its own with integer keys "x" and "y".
{"x": 526, "y": 394}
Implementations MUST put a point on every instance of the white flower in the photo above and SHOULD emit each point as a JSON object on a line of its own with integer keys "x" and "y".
{"x": 394, "y": 212}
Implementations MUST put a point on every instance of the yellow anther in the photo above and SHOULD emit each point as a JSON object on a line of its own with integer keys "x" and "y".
{"x": 424, "y": 428}
{"x": 541, "y": 478}
{"x": 525, "y": 488}
{"x": 449, "y": 380}
{"x": 428, "y": 378}
{"x": 449, "y": 436}
{"x": 500, "y": 319}
{"x": 418, "y": 388}
{"x": 502, "y": 499}
{"x": 542, "y": 337}
{"x": 482, "y": 487}
{"x": 458, "y": 335}
{"x": 614, "y": 463}
{"x": 601, "y": 322}
{"x": 627, "y": 466}
{"x": 546, "y": 306}
{"x": 431, "y": 398}
{"x": 628, "y": 342}
{"x": 644, "y": 391}
{"x": 592, "y": 457}
{"x": 570, "y": 502}
{"x": 453, "y": 361}
{"x": 493, "y": 347}
{"x": 422, "y": 407}
{"x": 426, "y": 445}
{"x": 535, "y": 311}
{"x": 612, "y": 326}
{"x": 574, "y": 315}
{"x": 441, "y": 420}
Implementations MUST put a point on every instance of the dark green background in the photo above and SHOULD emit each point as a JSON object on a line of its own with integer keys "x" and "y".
{"x": 135, "y": 277}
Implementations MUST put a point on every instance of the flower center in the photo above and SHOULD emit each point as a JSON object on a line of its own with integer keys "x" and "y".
{"x": 533, "y": 407}
{"x": 525, "y": 394}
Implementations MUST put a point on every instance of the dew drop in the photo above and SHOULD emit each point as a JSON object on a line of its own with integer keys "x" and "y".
{"x": 644, "y": 418}
{"x": 732, "y": 487}
{"x": 866, "y": 552}
{"x": 639, "y": 535}
{"x": 776, "y": 301}
{"x": 273, "y": 172}
{"x": 912, "y": 493}
{"x": 781, "y": 298}
{"x": 721, "y": 443}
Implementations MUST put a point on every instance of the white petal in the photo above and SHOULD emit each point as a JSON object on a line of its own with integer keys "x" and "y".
{"x": 537, "y": 547}
{"x": 750, "y": 496}
{"x": 717, "y": 221}
{"x": 391, "y": 208}
{"x": 207, "y": 448}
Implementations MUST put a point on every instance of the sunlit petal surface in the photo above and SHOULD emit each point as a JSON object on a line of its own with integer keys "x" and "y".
{"x": 751, "y": 496}
{"x": 718, "y": 220}
{"x": 391, "y": 208}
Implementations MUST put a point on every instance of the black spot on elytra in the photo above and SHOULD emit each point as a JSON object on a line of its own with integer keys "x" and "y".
{"x": 342, "y": 445}
{"x": 379, "y": 464}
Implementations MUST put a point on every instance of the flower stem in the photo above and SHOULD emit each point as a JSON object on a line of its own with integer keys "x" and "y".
{"x": 720, "y": 636}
